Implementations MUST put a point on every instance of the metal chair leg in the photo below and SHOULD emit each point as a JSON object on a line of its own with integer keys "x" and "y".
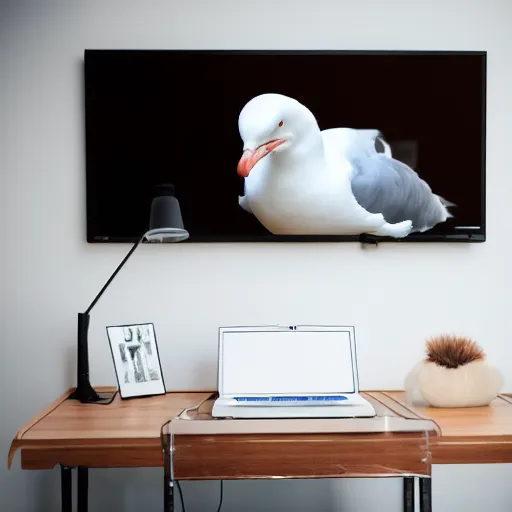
{"x": 168, "y": 476}
{"x": 425, "y": 494}
{"x": 408, "y": 494}
{"x": 169, "y": 495}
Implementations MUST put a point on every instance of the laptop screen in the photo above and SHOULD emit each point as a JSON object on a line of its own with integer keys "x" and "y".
{"x": 274, "y": 362}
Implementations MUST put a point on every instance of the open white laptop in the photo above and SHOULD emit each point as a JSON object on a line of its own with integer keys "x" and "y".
{"x": 288, "y": 372}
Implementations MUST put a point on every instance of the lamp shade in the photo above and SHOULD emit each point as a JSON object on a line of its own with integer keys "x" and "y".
{"x": 165, "y": 222}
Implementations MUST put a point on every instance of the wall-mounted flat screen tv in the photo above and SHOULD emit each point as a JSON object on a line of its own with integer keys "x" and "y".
{"x": 287, "y": 145}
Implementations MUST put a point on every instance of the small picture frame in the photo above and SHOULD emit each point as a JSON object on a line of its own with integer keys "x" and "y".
{"x": 136, "y": 360}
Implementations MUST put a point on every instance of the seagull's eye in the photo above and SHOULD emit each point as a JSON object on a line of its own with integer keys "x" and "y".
{"x": 280, "y": 124}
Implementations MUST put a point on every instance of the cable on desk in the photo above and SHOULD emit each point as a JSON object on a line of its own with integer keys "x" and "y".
{"x": 181, "y": 496}
{"x": 221, "y": 495}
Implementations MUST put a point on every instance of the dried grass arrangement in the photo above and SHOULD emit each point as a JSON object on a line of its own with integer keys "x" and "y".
{"x": 454, "y": 373}
{"x": 453, "y": 351}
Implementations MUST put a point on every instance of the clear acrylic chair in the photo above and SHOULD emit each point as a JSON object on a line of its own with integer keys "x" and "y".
{"x": 392, "y": 444}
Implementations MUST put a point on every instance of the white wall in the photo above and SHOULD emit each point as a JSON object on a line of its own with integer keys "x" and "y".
{"x": 396, "y": 296}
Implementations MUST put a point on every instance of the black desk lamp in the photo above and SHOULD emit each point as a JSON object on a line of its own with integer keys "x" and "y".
{"x": 165, "y": 225}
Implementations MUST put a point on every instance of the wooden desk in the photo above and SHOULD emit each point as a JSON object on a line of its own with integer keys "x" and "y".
{"x": 127, "y": 433}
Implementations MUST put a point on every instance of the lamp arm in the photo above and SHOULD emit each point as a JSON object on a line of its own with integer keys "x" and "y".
{"x": 111, "y": 278}
{"x": 84, "y": 391}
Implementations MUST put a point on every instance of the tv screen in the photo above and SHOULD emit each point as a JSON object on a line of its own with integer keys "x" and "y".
{"x": 287, "y": 145}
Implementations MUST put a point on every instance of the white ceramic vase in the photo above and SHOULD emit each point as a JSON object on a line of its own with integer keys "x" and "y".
{"x": 470, "y": 385}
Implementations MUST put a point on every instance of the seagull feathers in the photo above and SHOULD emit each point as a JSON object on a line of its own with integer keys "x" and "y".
{"x": 382, "y": 184}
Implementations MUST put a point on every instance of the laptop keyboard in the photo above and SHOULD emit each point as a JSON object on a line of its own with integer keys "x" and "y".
{"x": 291, "y": 400}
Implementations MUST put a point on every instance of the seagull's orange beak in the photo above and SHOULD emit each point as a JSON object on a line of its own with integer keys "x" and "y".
{"x": 251, "y": 158}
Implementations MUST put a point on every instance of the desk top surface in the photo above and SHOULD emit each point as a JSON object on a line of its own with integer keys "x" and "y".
{"x": 484, "y": 432}
{"x": 140, "y": 418}
{"x": 492, "y": 421}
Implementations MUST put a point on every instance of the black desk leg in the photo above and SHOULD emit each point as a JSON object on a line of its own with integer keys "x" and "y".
{"x": 83, "y": 486}
{"x": 425, "y": 494}
{"x": 66, "y": 485}
{"x": 409, "y": 494}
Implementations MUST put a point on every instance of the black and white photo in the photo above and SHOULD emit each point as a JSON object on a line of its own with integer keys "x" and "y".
{"x": 136, "y": 359}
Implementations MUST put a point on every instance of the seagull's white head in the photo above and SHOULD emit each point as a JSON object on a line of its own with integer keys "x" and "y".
{"x": 272, "y": 123}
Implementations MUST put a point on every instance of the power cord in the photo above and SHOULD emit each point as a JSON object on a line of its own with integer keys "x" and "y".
{"x": 181, "y": 496}
{"x": 221, "y": 495}
{"x": 221, "y": 499}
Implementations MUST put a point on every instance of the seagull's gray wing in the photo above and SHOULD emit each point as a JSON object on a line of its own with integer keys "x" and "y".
{"x": 384, "y": 185}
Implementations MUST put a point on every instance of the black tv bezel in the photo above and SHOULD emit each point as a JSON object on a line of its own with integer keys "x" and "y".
{"x": 463, "y": 237}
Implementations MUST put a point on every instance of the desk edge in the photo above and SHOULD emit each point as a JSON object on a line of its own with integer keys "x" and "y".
{"x": 16, "y": 442}
{"x": 19, "y": 441}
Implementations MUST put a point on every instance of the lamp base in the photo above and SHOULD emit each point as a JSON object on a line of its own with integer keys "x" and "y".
{"x": 103, "y": 398}
{"x": 87, "y": 395}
